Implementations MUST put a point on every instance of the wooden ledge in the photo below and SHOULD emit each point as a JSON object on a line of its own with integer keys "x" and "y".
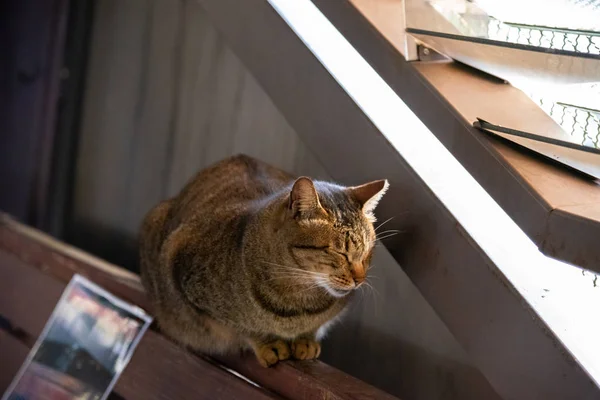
{"x": 32, "y": 262}
{"x": 568, "y": 218}
{"x": 559, "y": 210}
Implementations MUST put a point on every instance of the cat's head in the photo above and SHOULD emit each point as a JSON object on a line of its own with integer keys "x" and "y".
{"x": 329, "y": 232}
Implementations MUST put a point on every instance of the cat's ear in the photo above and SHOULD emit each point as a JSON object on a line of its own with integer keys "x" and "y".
{"x": 303, "y": 197}
{"x": 369, "y": 194}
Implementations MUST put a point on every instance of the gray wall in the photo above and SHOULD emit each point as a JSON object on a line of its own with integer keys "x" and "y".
{"x": 165, "y": 97}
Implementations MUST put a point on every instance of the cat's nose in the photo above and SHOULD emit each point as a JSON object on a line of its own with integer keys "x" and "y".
{"x": 358, "y": 273}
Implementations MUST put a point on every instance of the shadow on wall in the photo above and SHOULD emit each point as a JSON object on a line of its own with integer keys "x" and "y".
{"x": 400, "y": 367}
{"x": 113, "y": 245}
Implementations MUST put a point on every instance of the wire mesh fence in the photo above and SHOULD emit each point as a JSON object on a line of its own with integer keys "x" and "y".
{"x": 587, "y": 42}
{"x": 582, "y": 123}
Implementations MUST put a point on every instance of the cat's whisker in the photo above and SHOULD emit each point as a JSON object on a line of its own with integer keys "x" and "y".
{"x": 385, "y": 237}
{"x": 283, "y": 277}
{"x": 375, "y": 295}
{"x": 296, "y": 278}
{"x": 282, "y": 267}
{"x": 370, "y": 293}
{"x": 366, "y": 293}
{"x": 283, "y": 274}
{"x": 315, "y": 285}
{"x": 290, "y": 274}
{"x": 295, "y": 271}
{"x": 388, "y": 231}
{"x": 383, "y": 223}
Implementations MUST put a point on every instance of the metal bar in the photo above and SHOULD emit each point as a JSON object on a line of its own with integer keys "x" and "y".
{"x": 500, "y": 43}
{"x": 483, "y": 124}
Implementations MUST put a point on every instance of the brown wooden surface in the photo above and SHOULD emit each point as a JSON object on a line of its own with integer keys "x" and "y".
{"x": 158, "y": 370}
{"x": 31, "y": 262}
{"x": 476, "y": 95}
{"x": 12, "y": 354}
{"x": 571, "y": 223}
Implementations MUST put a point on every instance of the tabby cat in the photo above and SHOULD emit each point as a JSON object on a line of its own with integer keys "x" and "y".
{"x": 246, "y": 257}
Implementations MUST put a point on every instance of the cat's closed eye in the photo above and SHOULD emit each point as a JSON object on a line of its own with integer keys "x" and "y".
{"x": 311, "y": 247}
{"x": 339, "y": 253}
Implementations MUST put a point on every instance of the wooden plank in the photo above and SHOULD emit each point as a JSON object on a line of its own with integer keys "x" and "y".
{"x": 13, "y": 354}
{"x": 21, "y": 289}
{"x": 163, "y": 371}
{"x": 392, "y": 15}
{"x": 65, "y": 261}
{"x": 158, "y": 370}
{"x": 27, "y": 255}
{"x": 305, "y": 380}
{"x": 551, "y": 184}
{"x": 544, "y": 188}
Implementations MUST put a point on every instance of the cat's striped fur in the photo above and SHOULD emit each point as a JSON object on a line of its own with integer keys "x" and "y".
{"x": 247, "y": 257}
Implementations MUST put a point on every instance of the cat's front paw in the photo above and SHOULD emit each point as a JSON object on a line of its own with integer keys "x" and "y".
{"x": 305, "y": 349}
{"x": 269, "y": 353}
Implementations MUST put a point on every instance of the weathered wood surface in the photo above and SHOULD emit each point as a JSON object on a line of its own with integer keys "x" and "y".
{"x": 34, "y": 269}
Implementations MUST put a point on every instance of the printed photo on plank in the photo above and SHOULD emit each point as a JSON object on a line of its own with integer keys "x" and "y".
{"x": 86, "y": 344}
